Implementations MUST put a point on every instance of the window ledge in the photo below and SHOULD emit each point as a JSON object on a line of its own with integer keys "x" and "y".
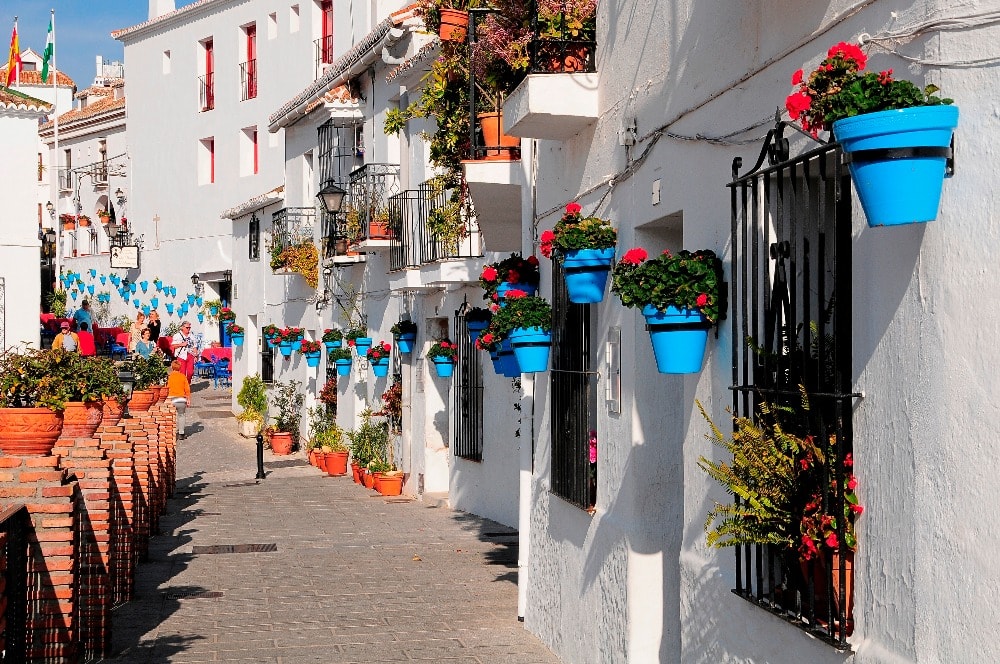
{"x": 552, "y": 106}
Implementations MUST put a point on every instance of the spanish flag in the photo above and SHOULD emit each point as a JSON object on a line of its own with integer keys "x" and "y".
{"x": 14, "y": 58}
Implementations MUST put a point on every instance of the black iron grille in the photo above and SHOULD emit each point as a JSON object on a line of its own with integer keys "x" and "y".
{"x": 468, "y": 395}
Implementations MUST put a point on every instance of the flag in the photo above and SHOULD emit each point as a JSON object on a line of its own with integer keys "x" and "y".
{"x": 14, "y": 58}
{"x": 50, "y": 49}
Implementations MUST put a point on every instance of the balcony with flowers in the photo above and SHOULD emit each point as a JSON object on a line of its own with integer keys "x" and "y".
{"x": 366, "y": 211}
{"x": 292, "y": 249}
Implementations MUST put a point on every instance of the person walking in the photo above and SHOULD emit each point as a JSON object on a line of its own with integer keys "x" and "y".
{"x": 184, "y": 350}
{"x": 88, "y": 347}
{"x": 84, "y": 315}
{"x": 179, "y": 393}
{"x": 66, "y": 339}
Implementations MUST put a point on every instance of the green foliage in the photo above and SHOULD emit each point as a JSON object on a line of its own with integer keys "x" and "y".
{"x": 324, "y": 432}
{"x": 57, "y": 303}
{"x": 524, "y": 311}
{"x": 94, "y": 379}
{"x": 574, "y": 231}
{"x": 691, "y": 280}
{"x": 447, "y": 224}
{"x": 443, "y": 349}
{"x": 148, "y": 371}
{"x": 404, "y": 327}
{"x": 355, "y": 333}
{"x": 342, "y": 353}
{"x": 288, "y": 401}
{"x": 332, "y": 334}
{"x": 395, "y": 121}
{"x": 36, "y": 378}
{"x": 369, "y": 442}
{"x": 252, "y": 398}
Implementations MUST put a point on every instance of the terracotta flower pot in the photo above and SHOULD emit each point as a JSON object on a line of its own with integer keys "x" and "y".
{"x": 391, "y": 484}
{"x": 81, "y": 418}
{"x": 454, "y": 25}
{"x": 83, "y": 222}
{"x": 336, "y": 463}
{"x": 376, "y": 482}
{"x": 314, "y": 458}
{"x": 281, "y": 442}
{"x": 356, "y": 473}
{"x": 143, "y": 400}
{"x": 502, "y": 146}
{"x": 29, "y": 431}
{"x": 69, "y": 225}
{"x": 113, "y": 410}
{"x": 368, "y": 479}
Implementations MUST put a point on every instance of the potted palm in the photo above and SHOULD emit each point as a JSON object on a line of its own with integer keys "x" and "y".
{"x": 896, "y": 135}
{"x": 404, "y": 333}
{"x": 252, "y": 398}
{"x": 287, "y": 400}
{"x": 526, "y": 322}
{"x": 378, "y": 357}
{"x": 33, "y": 394}
{"x": 682, "y": 297}
{"x": 444, "y": 354}
{"x": 586, "y": 247}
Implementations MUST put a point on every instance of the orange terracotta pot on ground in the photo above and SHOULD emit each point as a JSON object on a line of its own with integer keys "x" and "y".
{"x": 356, "y": 473}
{"x": 143, "y": 400}
{"x": 502, "y": 146}
{"x": 314, "y": 458}
{"x": 391, "y": 485}
{"x": 281, "y": 442}
{"x": 454, "y": 25}
{"x": 368, "y": 479}
{"x": 376, "y": 483}
{"x": 81, "y": 418}
{"x": 336, "y": 463}
{"x": 29, "y": 431}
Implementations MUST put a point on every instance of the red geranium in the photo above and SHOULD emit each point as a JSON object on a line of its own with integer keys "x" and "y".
{"x": 702, "y": 300}
{"x": 573, "y": 208}
{"x": 489, "y": 273}
{"x": 635, "y": 256}
{"x": 515, "y": 293}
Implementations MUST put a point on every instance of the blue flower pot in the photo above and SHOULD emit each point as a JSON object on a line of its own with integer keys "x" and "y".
{"x": 508, "y": 360}
{"x": 404, "y": 342}
{"x": 132, "y": 287}
{"x": 679, "y": 337}
{"x": 586, "y": 272}
{"x": 214, "y": 311}
{"x": 270, "y": 341}
{"x": 158, "y": 285}
{"x": 531, "y": 348}
{"x": 904, "y": 187}
{"x": 363, "y": 344}
{"x": 286, "y": 348}
{"x": 312, "y": 359}
{"x": 497, "y": 362}
{"x": 93, "y": 273}
{"x": 444, "y": 367}
{"x": 199, "y": 301}
{"x": 190, "y": 300}
{"x": 332, "y": 345}
{"x": 170, "y": 308}
{"x": 145, "y": 310}
{"x": 73, "y": 295}
{"x": 134, "y": 302}
{"x": 475, "y": 328}
{"x": 104, "y": 280}
{"x": 237, "y": 339}
{"x": 154, "y": 302}
{"x": 505, "y": 286}
{"x": 296, "y": 345}
{"x": 201, "y": 317}
{"x": 144, "y": 285}
{"x": 343, "y": 367}
{"x": 381, "y": 368}
{"x": 90, "y": 289}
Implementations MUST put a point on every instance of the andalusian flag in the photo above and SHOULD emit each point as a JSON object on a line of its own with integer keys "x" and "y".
{"x": 50, "y": 49}
{"x": 14, "y": 58}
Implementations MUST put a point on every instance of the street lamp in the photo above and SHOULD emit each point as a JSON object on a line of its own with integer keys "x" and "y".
{"x": 51, "y": 209}
{"x": 127, "y": 379}
{"x": 331, "y": 196}
{"x": 196, "y": 282}
{"x": 120, "y": 195}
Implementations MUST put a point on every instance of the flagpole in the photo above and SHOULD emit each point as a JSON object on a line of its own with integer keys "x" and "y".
{"x": 17, "y": 80}
{"x": 57, "y": 222}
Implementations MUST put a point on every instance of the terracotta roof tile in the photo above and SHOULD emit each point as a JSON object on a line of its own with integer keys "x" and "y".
{"x": 13, "y": 99}
{"x": 35, "y": 77}
{"x": 92, "y": 109}
{"x": 95, "y": 90}
{"x": 340, "y": 94}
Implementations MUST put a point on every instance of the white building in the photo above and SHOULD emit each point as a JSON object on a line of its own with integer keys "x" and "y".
{"x": 20, "y": 288}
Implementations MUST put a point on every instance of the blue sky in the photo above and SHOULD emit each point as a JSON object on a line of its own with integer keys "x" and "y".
{"x": 83, "y": 29}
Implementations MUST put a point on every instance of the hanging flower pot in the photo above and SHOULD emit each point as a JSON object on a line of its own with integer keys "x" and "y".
{"x": 381, "y": 367}
{"x": 198, "y": 300}
{"x": 297, "y": 345}
{"x": 363, "y": 344}
{"x": 170, "y": 308}
{"x": 332, "y": 345}
{"x": 146, "y": 310}
{"x": 154, "y": 302}
{"x": 286, "y": 348}
{"x": 201, "y": 317}
{"x": 104, "y": 279}
{"x": 213, "y": 310}
{"x": 90, "y": 289}
{"x": 144, "y": 285}
{"x": 502, "y": 289}
{"x": 679, "y": 338}
{"x": 405, "y": 341}
{"x": 444, "y": 367}
{"x": 312, "y": 358}
{"x": 454, "y": 25}
{"x": 508, "y": 361}
{"x": 531, "y": 348}
{"x": 237, "y": 338}
{"x": 343, "y": 367}
{"x": 898, "y": 161}
{"x": 586, "y": 272}
{"x": 498, "y": 365}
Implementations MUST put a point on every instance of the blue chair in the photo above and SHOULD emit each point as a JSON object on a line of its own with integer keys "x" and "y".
{"x": 223, "y": 373}
{"x": 205, "y": 369}
{"x": 118, "y": 349}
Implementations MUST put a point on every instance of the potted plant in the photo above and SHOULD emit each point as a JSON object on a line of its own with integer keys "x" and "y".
{"x": 149, "y": 374}
{"x": 287, "y": 400}
{"x": 586, "y": 247}
{"x": 444, "y": 354}
{"x": 368, "y": 442}
{"x": 343, "y": 358}
{"x": 326, "y": 439}
{"x": 212, "y": 308}
{"x": 33, "y": 394}
{"x": 68, "y": 221}
{"x": 237, "y": 334}
{"x": 378, "y": 357}
{"x": 303, "y": 259}
{"x": 491, "y": 342}
{"x": 332, "y": 338}
{"x": 565, "y": 34}
{"x": 226, "y": 316}
{"x": 682, "y": 297}
{"x": 312, "y": 350}
{"x": 392, "y": 406}
{"x": 328, "y": 395}
{"x": 448, "y": 18}
{"x": 252, "y": 398}
{"x": 356, "y": 337}
{"x": 271, "y": 333}
{"x": 404, "y": 333}
{"x": 95, "y": 381}
{"x": 83, "y": 221}
{"x": 513, "y": 272}
{"x": 477, "y": 319}
{"x": 526, "y": 322}
{"x": 896, "y": 135}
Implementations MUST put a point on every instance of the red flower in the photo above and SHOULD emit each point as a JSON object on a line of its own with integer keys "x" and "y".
{"x": 487, "y": 338}
{"x": 494, "y": 307}
{"x": 385, "y": 346}
{"x": 849, "y": 52}
{"x": 513, "y": 277}
{"x": 797, "y": 103}
{"x": 857, "y": 509}
{"x": 489, "y": 273}
{"x": 852, "y": 483}
{"x": 702, "y": 300}
{"x": 797, "y": 77}
{"x": 849, "y": 460}
{"x": 885, "y": 77}
{"x": 546, "y": 244}
{"x": 635, "y": 256}
{"x": 350, "y": 342}
{"x": 445, "y": 344}
{"x": 831, "y": 540}
{"x": 515, "y": 293}
{"x": 573, "y": 208}
{"x": 532, "y": 260}
{"x": 548, "y": 237}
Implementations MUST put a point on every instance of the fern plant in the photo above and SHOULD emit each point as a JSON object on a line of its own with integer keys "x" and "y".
{"x": 764, "y": 474}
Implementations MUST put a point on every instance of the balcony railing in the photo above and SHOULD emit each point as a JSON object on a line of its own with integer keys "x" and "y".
{"x": 370, "y": 189}
{"x": 334, "y": 242}
{"x": 206, "y": 92}
{"x": 562, "y": 42}
{"x": 324, "y": 53}
{"x": 290, "y": 227}
{"x": 414, "y": 243}
{"x": 65, "y": 179}
{"x": 248, "y": 80}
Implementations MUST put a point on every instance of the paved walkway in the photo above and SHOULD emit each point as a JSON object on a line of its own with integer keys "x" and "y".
{"x": 333, "y": 573}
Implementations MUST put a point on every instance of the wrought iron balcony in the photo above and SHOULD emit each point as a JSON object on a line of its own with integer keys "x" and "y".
{"x": 248, "y": 80}
{"x": 290, "y": 227}
{"x": 428, "y": 226}
{"x": 206, "y": 92}
{"x": 562, "y": 42}
{"x": 367, "y": 214}
{"x": 334, "y": 242}
{"x": 324, "y": 53}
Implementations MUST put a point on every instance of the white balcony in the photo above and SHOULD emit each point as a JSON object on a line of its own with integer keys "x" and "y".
{"x": 552, "y": 106}
{"x": 495, "y": 189}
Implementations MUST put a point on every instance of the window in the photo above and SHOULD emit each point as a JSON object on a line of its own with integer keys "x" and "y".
{"x": 253, "y": 238}
{"x": 293, "y": 19}
{"x": 249, "y": 151}
{"x": 266, "y": 361}
{"x": 206, "y": 161}
{"x": 468, "y": 395}
{"x": 165, "y": 62}
{"x": 574, "y": 398}
{"x": 791, "y": 291}
{"x": 272, "y": 25}
{"x": 326, "y": 36}
{"x": 101, "y": 173}
{"x": 207, "y": 81}
{"x": 248, "y": 69}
